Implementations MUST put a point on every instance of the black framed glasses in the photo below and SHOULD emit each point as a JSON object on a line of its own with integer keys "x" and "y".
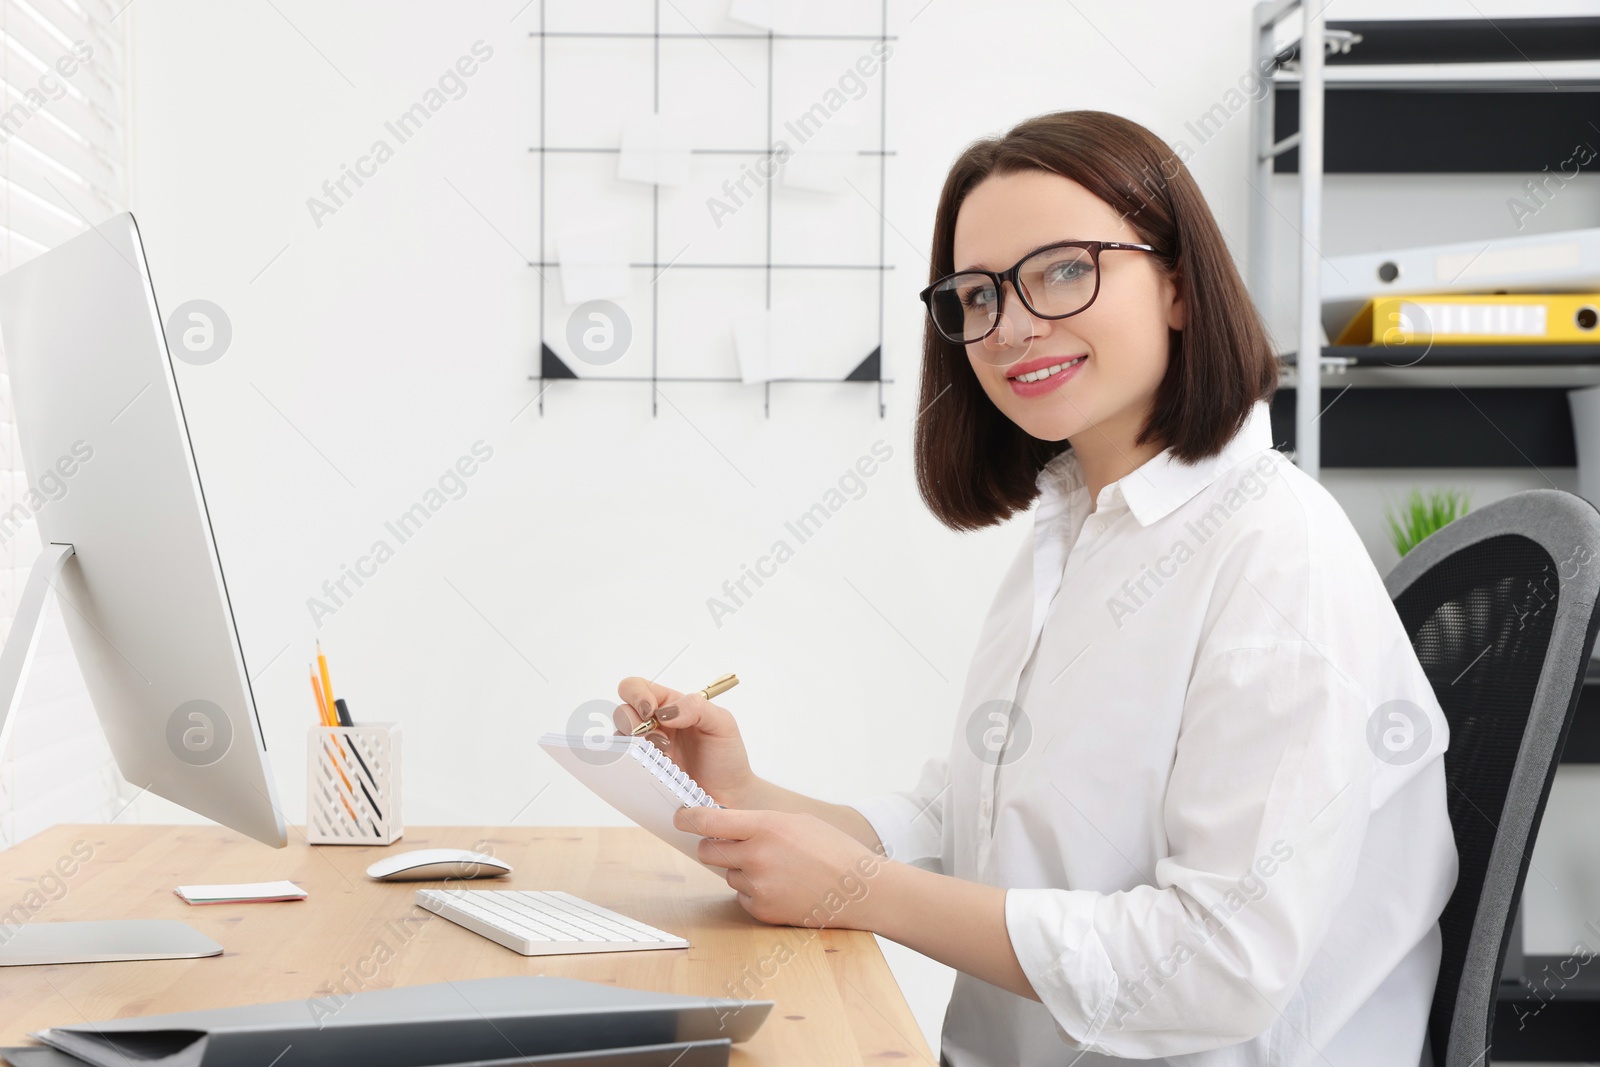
{"x": 1054, "y": 282}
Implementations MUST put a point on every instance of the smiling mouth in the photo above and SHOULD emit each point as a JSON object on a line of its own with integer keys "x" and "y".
{"x": 1044, "y": 372}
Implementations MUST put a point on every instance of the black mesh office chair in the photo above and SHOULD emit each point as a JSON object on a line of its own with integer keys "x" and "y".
{"x": 1501, "y": 606}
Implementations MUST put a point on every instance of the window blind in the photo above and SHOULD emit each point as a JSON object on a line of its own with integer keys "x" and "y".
{"x": 62, "y": 151}
{"x": 63, "y": 159}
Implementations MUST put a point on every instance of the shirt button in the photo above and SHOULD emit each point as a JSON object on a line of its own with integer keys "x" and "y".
{"x": 984, "y": 808}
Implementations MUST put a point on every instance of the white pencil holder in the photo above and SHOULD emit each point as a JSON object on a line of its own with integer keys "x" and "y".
{"x": 353, "y": 784}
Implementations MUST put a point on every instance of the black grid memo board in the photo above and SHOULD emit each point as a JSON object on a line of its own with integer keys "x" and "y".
{"x": 552, "y": 367}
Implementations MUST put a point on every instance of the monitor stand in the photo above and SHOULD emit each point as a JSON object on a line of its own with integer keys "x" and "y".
{"x": 38, "y": 943}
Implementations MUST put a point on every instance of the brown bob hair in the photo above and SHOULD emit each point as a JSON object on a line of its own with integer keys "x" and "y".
{"x": 975, "y": 467}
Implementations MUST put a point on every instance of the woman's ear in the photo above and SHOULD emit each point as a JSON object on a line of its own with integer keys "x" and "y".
{"x": 1176, "y": 314}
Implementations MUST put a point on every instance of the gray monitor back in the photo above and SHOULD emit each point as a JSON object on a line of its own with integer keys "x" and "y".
{"x": 106, "y": 449}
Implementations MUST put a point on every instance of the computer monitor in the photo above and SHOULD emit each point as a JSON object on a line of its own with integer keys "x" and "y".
{"x": 128, "y": 544}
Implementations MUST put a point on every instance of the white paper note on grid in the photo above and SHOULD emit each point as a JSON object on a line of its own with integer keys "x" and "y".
{"x": 655, "y": 149}
{"x": 823, "y": 162}
{"x": 593, "y": 259}
{"x": 785, "y": 342}
{"x": 779, "y": 16}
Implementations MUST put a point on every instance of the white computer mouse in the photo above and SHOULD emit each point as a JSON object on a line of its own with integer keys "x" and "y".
{"x": 432, "y": 864}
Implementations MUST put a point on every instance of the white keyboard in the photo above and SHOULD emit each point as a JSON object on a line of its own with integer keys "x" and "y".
{"x": 544, "y": 922}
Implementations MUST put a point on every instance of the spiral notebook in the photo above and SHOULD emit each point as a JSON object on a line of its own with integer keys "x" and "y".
{"x": 636, "y": 778}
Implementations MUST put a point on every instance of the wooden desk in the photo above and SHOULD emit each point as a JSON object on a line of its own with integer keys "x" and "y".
{"x": 835, "y": 1000}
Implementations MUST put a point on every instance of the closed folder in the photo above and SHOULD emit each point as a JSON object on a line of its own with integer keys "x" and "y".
{"x": 479, "y": 1020}
{"x": 1499, "y": 318}
{"x": 1568, "y": 261}
{"x": 675, "y": 1054}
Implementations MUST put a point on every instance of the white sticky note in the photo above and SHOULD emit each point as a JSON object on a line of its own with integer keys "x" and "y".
{"x": 780, "y": 343}
{"x": 822, "y": 161}
{"x": 240, "y": 893}
{"x": 655, "y": 149}
{"x": 779, "y": 16}
{"x": 593, "y": 259}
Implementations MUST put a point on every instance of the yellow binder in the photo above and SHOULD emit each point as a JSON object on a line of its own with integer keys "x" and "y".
{"x": 1498, "y": 318}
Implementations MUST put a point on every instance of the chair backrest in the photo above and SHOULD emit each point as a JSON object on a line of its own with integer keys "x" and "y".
{"x": 1501, "y": 607}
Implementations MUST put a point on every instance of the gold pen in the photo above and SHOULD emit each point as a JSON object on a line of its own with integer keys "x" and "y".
{"x": 716, "y": 688}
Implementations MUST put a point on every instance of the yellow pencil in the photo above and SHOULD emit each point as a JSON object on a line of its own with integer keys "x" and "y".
{"x": 329, "y": 719}
{"x": 350, "y": 788}
{"x": 322, "y": 705}
{"x": 327, "y": 686}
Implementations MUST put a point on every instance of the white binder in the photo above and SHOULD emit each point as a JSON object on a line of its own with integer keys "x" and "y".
{"x": 1569, "y": 260}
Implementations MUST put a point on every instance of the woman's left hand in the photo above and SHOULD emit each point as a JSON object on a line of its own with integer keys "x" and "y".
{"x": 790, "y": 870}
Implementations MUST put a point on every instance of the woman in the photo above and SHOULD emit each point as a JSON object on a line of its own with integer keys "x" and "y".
{"x": 1195, "y": 804}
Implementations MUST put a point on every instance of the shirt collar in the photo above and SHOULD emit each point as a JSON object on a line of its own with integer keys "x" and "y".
{"x": 1157, "y": 488}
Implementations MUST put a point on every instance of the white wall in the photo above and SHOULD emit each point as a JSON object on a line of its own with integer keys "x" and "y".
{"x": 371, "y": 352}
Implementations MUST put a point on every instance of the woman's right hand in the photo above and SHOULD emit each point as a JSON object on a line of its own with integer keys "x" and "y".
{"x": 699, "y": 736}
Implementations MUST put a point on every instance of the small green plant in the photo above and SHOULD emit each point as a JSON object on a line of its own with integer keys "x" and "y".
{"x": 1423, "y": 514}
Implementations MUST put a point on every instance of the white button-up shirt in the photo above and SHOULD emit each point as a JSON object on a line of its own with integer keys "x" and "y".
{"x": 1196, "y": 748}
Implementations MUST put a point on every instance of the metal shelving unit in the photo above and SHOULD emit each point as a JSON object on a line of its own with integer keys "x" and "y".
{"x": 1308, "y": 140}
{"x": 1411, "y": 126}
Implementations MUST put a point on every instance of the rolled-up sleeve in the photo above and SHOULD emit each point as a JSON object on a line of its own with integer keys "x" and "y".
{"x": 911, "y": 823}
{"x": 1265, "y": 812}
